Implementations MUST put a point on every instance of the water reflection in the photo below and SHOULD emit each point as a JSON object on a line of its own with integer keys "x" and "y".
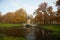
{"x": 30, "y": 33}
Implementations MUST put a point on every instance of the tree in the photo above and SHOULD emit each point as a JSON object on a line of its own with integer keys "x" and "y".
{"x": 39, "y": 18}
{"x": 58, "y": 3}
{"x": 51, "y": 14}
{"x": 0, "y": 16}
{"x": 7, "y": 18}
{"x": 41, "y": 13}
{"x": 20, "y": 16}
{"x": 58, "y": 11}
{"x": 44, "y": 14}
{"x": 58, "y": 16}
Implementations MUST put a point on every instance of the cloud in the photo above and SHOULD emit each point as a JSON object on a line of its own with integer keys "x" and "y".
{"x": 29, "y": 5}
{"x": 29, "y": 8}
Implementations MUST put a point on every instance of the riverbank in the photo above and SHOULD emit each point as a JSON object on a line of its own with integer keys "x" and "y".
{"x": 9, "y": 25}
{"x": 52, "y": 27}
{"x": 12, "y": 33}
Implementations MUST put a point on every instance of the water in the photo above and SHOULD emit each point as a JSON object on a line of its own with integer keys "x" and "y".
{"x": 31, "y": 34}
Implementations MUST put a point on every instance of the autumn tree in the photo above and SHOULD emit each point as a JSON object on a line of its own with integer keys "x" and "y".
{"x": 41, "y": 13}
{"x": 39, "y": 18}
{"x": 7, "y": 18}
{"x": 20, "y": 16}
{"x": 58, "y": 11}
{"x": 0, "y": 16}
{"x": 44, "y": 14}
{"x": 51, "y": 14}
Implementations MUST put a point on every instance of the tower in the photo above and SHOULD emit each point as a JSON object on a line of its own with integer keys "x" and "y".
{"x": 29, "y": 19}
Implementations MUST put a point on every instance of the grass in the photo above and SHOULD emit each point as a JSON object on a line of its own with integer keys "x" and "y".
{"x": 9, "y": 25}
{"x": 52, "y": 27}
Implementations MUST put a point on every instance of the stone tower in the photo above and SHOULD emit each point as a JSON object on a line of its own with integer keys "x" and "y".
{"x": 29, "y": 20}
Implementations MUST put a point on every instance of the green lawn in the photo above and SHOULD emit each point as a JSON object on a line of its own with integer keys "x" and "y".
{"x": 52, "y": 27}
{"x": 9, "y": 25}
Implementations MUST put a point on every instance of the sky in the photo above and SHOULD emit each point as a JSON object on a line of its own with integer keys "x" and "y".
{"x": 29, "y": 5}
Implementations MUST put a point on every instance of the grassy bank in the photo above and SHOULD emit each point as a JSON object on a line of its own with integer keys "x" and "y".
{"x": 52, "y": 27}
{"x": 11, "y": 32}
{"x": 9, "y": 25}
